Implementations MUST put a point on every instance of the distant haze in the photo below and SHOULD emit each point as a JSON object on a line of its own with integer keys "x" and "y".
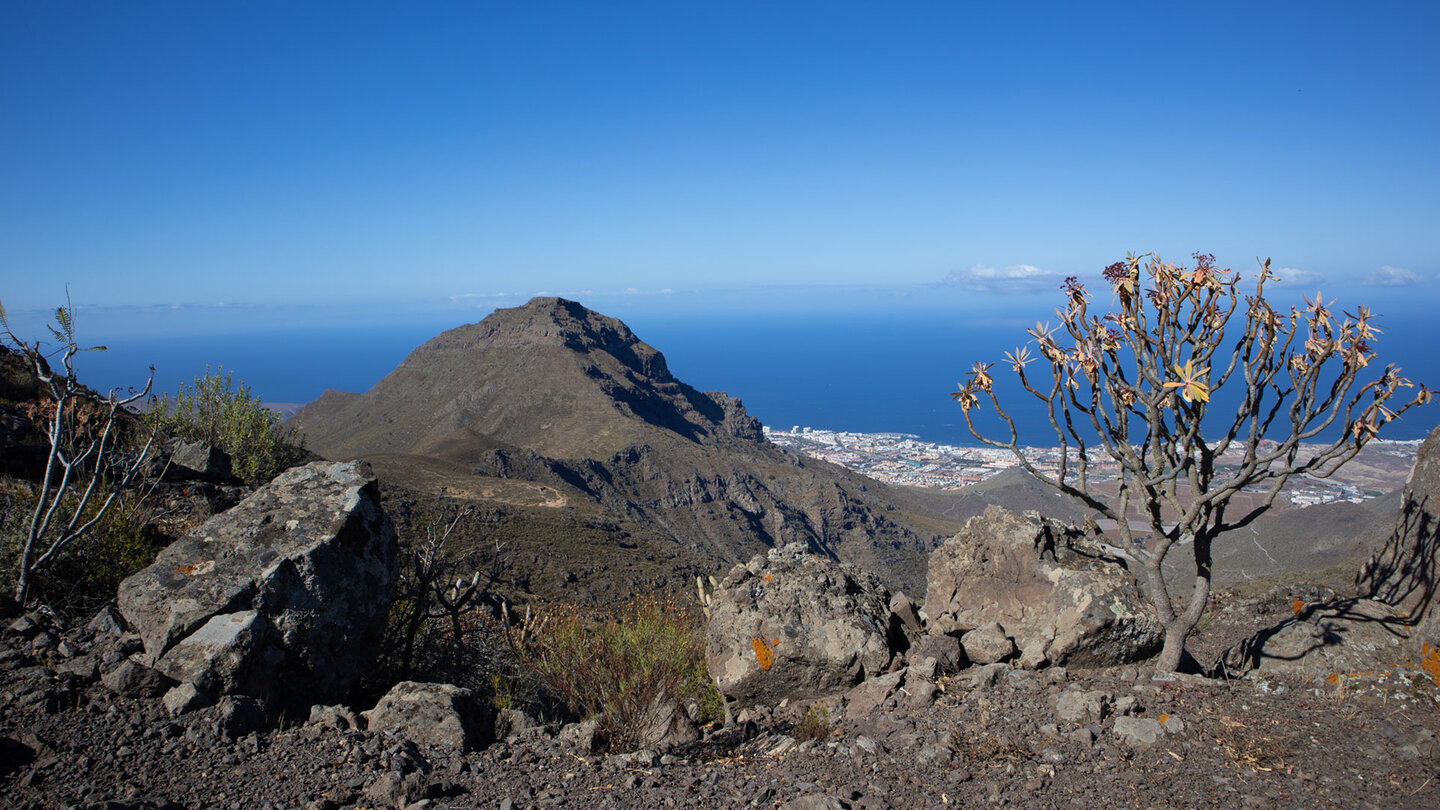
{"x": 849, "y": 370}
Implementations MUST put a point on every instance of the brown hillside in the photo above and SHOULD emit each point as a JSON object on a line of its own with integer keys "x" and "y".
{"x": 550, "y": 376}
{"x": 571, "y": 400}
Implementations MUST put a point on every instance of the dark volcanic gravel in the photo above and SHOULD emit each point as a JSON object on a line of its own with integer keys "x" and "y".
{"x": 993, "y": 736}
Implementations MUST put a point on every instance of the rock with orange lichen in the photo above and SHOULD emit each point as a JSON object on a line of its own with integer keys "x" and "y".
{"x": 1350, "y": 638}
{"x": 796, "y": 625}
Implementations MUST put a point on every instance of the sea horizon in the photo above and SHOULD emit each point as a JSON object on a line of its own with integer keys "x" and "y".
{"x": 863, "y": 373}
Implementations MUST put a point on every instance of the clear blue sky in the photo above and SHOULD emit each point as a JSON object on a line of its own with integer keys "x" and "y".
{"x": 367, "y": 157}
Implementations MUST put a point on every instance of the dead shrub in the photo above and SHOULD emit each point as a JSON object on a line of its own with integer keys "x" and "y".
{"x": 616, "y": 665}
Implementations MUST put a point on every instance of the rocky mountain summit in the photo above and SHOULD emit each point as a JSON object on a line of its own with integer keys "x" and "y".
{"x": 838, "y": 692}
{"x": 550, "y": 417}
{"x": 550, "y": 376}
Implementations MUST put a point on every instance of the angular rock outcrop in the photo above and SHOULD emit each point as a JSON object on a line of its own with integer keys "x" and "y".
{"x": 795, "y": 625}
{"x": 280, "y": 598}
{"x": 665, "y": 725}
{"x": 1060, "y": 597}
{"x": 1406, "y": 572}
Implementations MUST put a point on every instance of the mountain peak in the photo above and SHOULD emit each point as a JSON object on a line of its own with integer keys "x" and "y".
{"x": 569, "y": 324}
{"x": 551, "y": 376}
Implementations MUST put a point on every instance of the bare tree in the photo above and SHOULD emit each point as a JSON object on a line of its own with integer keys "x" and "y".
{"x": 431, "y": 582}
{"x": 1135, "y": 385}
{"x": 85, "y": 468}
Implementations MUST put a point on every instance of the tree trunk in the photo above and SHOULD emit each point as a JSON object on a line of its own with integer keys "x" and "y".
{"x": 1178, "y": 630}
{"x": 1173, "y": 652}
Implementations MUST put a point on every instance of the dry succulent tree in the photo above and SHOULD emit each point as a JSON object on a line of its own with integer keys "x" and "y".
{"x": 85, "y": 467}
{"x": 1135, "y": 385}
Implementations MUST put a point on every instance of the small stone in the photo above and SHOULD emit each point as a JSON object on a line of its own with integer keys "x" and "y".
{"x": 106, "y": 622}
{"x": 134, "y": 680}
{"x": 24, "y": 627}
{"x": 921, "y": 693}
{"x": 1137, "y": 732}
{"x": 186, "y": 698}
{"x": 984, "y": 677}
{"x": 340, "y": 717}
{"x": 988, "y": 644}
{"x": 1172, "y": 724}
{"x": 948, "y": 654}
{"x": 1076, "y": 706}
{"x": 437, "y": 714}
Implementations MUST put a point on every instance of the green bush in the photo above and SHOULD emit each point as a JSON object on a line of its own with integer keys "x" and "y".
{"x": 226, "y": 414}
{"x": 814, "y": 726}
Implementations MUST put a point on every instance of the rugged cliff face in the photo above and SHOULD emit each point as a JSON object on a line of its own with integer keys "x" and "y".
{"x": 554, "y": 394}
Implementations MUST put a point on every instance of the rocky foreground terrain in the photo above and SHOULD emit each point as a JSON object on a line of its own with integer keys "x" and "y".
{"x": 989, "y": 736}
{"x": 213, "y": 686}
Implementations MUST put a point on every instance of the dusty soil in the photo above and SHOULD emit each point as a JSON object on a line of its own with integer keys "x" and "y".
{"x": 991, "y": 736}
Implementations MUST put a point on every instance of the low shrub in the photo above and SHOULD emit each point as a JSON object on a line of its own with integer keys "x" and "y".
{"x": 616, "y": 666}
{"x": 86, "y": 574}
{"x": 814, "y": 725}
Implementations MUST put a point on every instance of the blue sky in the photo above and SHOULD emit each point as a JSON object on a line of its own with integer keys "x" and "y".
{"x": 377, "y": 161}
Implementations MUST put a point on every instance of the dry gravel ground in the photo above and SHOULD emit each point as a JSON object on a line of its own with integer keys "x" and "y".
{"x": 989, "y": 736}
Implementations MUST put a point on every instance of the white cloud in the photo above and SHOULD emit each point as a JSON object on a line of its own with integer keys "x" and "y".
{"x": 1387, "y": 276}
{"x": 1012, "y": 278}
{"x": 1294, "y": 275}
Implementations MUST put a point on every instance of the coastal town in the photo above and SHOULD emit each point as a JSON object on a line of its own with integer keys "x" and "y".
{"x": 907, "y": 460}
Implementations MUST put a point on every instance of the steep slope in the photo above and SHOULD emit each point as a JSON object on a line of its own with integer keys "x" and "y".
{"x": 555, "y": 394}
{"x": 550, "y": 376}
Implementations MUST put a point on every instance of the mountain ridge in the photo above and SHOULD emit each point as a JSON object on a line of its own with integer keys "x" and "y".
{"x": 555, "y": 394}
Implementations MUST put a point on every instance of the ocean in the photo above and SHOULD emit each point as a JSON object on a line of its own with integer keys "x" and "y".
{"x": 871, "y": 373}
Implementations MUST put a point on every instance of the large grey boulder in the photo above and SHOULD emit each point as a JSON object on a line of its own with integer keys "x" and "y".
{"x": 1406, "y": 572}
{"x": 1057, "y": 594}
{"x": 795, "y": 625}
{"x": 280, "y": 598}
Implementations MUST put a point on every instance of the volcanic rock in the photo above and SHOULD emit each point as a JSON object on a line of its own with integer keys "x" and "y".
{"x": 1406, "y": 572}
{"x": 432, "y": 713}
{"x": 1079, "y": 607}
{"x": 1323, "y": 642}
{"x": 279, "y": 598}
{"x": 988, "y": 644}
{"x": 795, "y": 625}
{"x": 200, "y": 460}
